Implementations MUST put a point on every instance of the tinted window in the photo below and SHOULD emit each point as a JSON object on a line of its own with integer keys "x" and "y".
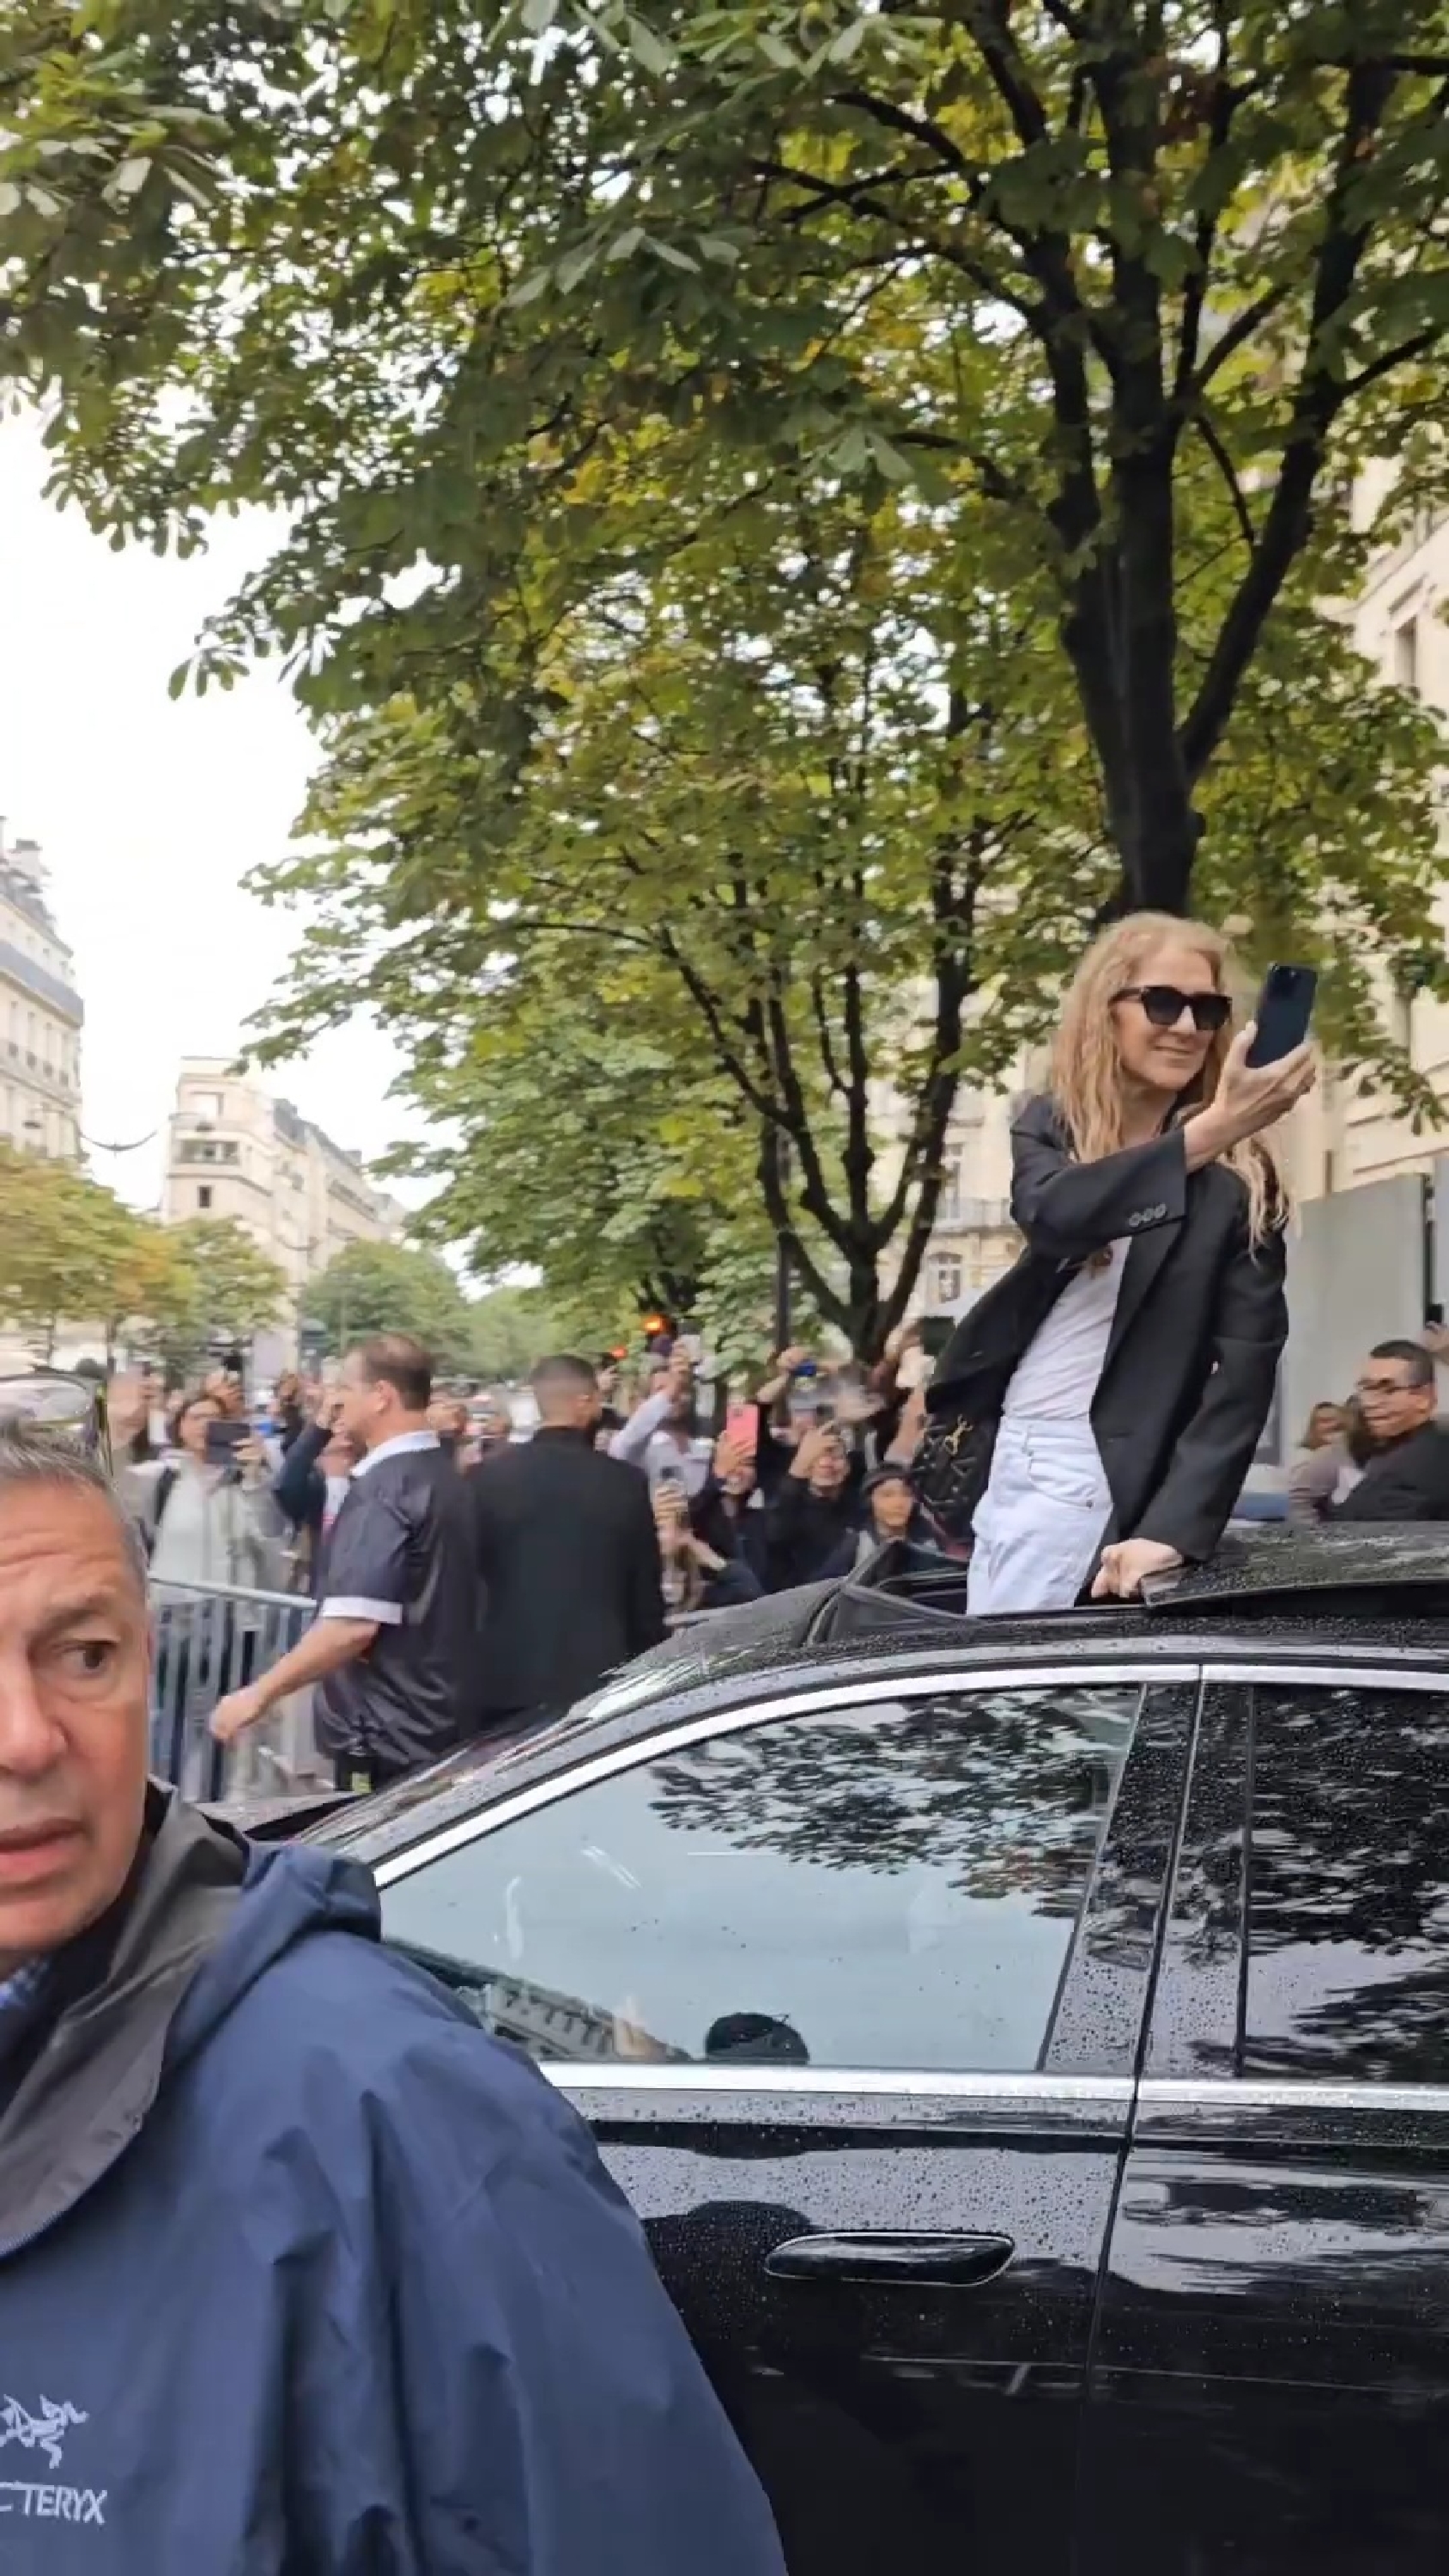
{"x": 1348, "y": 1886}
{"x": 891, "y": 1887}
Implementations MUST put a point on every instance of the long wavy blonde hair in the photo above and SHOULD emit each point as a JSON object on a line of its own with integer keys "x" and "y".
{"x": 1086, "y": 1072}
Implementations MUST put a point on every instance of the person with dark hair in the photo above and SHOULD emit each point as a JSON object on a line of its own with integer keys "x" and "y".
{"x": 893, "y": 1512}
{"x": 754, "y": 2039}
{"x": 565, "y": 1543}
{"x": 290, "y": 1410}
{"x": 816, "y": 1514}
{"x": 311, "y": 1485}
{"x": 409, "y": 2321}
{"x": 393, "y": 1649}
{"x": 1407, "y": 1474}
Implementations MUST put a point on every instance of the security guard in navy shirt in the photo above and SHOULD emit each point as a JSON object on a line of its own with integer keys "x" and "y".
{"x": 393, "y": 1651}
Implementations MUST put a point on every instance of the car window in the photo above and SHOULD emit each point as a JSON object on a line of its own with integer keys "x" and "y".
{"x": 895, "y": 1886}
{"x": 1348, "y": 1886}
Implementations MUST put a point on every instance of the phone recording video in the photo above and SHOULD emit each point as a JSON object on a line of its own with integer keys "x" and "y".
{"x": 1284, "y": 1013}
{"x": 223, "y": 1439}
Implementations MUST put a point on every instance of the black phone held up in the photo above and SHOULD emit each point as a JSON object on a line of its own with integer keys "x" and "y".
{"x": 1284, "y": 1012}
{"x": 936, "y": 1332}
{"x": 223, "y": 1439}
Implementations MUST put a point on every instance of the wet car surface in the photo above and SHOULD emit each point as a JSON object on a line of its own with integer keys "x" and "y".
{"x": 1026, "y": 2044}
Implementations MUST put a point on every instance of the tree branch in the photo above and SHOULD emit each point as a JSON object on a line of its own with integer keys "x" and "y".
{"x": 1319, "y": 399}
{"x": 1422, "y": 342}
{"x": 1230, "y": 341}
{"x": 1207, "y": 430}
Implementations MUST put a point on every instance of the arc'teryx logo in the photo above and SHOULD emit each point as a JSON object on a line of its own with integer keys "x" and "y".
{"x": 43, "y": 2432}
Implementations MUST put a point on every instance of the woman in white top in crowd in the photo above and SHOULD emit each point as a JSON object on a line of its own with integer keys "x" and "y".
{"x": 213, "y": 1518}
{"x": 1110, "y": 1392}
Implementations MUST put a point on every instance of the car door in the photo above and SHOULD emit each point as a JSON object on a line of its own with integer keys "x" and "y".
{"x": 851, "y": 1988}
{"x": 1270, "y": 2389}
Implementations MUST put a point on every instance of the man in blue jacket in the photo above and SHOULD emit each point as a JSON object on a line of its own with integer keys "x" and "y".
{"x": 298, "y": 2269}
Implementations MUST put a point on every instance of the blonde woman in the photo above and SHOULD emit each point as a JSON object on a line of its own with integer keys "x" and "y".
{"x": 1094, "y": 1417}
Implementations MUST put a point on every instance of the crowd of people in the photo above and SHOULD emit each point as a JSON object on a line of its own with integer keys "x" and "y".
{"x": 400, "y": 1507}
{"x": 1092, "y": 1422}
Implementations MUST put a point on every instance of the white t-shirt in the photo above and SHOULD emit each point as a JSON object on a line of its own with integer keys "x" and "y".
{"x": 1057, "y": 1378}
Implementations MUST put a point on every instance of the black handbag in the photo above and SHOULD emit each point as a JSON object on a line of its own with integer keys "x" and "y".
{"x": 951, "y": 1470}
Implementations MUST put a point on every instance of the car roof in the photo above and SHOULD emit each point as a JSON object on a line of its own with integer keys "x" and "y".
{"x": 1365, "y": 1597}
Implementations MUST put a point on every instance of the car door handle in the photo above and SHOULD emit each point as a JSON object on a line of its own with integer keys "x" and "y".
{"x": 915, "y": 2261}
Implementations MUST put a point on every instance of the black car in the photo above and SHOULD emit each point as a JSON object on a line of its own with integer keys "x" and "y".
{"x": 1027, "y": 2044}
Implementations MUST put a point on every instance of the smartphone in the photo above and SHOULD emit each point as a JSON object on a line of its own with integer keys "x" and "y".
{"x": 669, "y": 1477}
{"x": 742, "y": 1426}
{"x": 223, "y": 1439}
{"x": 1285, "y": 1008}
{"x": 936, "y": 1331}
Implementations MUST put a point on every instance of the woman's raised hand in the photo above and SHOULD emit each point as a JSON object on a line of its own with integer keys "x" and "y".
{"x": 1251, "y": 1097}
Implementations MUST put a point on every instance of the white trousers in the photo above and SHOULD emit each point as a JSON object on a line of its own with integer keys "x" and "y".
{"x": 1041, "y": 1520}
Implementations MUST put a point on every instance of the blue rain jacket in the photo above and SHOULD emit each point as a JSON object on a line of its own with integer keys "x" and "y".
{"x": 338, "y": 2286}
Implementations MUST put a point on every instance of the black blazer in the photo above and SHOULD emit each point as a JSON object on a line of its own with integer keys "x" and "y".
{"x": 569, "y": 1553}
{"x": 1408, "y": 1482}
{"x": 1200, "y": 1324}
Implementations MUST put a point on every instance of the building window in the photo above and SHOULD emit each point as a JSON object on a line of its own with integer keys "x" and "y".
{"x": 946, "y": 1271}
{"x": 207, "y": 1104}
{"x": 948, "y": 1211}
{"x": 207, "y": 1149}
{"x": 203, "y": 1195}
{"x": 1406, "y": 653}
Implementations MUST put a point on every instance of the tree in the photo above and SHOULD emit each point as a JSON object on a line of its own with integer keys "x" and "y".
{"x": 663, "y": 910}
{"x": 389, "y": 1288}
{"x": 67, "y": 1245}
{"x": 771, "y": 819}
{"x": 514, "y": 1328}
{"x": 412, "y": 274}
{"x": 223, "y": 1285}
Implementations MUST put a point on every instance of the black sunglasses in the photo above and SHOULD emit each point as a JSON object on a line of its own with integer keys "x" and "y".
{"x": 1164, "y": 1006}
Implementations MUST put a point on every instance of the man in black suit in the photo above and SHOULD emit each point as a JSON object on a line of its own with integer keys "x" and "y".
{"x": 1407, "y": 1477}
{"x": 569, "y": 1553}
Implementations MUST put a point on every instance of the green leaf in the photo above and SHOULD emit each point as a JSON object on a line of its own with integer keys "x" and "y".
{"x": 894, "y": 466}
{"x": 532, "y": 287}
{"x": 649, "y": 48}
{"x": 129, "y": 177}
{"x": 538, "y": 15}
{"x": 674, "y": 258}
{"x": 575, "y": 266}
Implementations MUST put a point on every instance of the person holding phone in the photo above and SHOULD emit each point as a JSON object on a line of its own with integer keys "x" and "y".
{"x": 212, "y": 1517}
{"x": 1094, "y": 1416}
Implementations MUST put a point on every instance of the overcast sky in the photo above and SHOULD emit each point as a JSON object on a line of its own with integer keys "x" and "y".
{"x": 149, "y": 814}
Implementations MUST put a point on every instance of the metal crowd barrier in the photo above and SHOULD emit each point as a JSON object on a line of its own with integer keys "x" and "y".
{"x": 212, "y": 1638}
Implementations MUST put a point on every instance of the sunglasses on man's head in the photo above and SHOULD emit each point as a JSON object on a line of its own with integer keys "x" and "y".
{"x": 1164, "y": 1005}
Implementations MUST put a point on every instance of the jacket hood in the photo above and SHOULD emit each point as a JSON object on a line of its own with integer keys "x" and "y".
{"x": 207, "y": 1913}
{"x": 287, "y": 1892}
